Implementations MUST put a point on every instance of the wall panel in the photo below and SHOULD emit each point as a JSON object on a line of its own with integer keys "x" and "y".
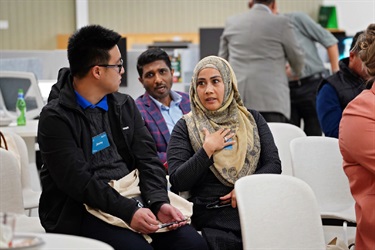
{"x": 150, "y": 16}
{"x": 35, "y": 24}
{"x": 311, "y": 7}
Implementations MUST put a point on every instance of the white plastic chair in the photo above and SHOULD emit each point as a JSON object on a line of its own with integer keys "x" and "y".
{"x": 30, "y": 197}
{"x": 283, "y": 134}
{"x": 317, "y": 161}
{"x": 10, "y": 82}
{"x": 278, "y": 212}
{"x": 10, "y": 184}
{"x": 11, "y": 200}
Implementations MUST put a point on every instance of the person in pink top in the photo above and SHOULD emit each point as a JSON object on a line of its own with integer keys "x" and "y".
{"x": 357, "y": 145}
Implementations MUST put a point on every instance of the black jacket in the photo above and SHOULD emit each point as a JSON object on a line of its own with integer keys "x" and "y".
{"x": 346, "y": 83}
{"x": 67, "y": 178}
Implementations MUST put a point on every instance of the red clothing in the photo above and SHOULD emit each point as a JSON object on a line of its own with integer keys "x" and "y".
{"x": 357, "y": 145}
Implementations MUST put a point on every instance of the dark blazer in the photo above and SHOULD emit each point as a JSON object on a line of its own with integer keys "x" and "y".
{"x": 155, "y": 122}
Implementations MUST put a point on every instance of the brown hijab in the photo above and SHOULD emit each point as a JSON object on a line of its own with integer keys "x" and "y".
{"x": 229, "y": 164}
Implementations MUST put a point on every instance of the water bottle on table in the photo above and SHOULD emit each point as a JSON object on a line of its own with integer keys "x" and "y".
{"x": 21, "y": 109}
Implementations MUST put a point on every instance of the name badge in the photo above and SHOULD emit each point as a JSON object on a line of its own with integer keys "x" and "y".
{"x": 229, "y": 147}
{"x": 99, "y": 142}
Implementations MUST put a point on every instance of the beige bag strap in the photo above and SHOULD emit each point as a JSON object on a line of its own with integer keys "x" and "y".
{"x": 2, "y": 139}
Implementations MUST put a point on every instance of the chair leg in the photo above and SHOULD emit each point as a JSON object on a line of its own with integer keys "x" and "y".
{"x": 345, "y": 232}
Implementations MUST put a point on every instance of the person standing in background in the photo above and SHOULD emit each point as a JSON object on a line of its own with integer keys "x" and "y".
{"x": 160, "y": 106}
{"x": 357, "y": 145}
{"x": 303, "y": 91}
{"x": 257, "y": 45}
{"x": 337, "y": 90}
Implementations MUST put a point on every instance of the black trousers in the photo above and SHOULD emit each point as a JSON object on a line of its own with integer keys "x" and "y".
{"x": 303, "y": 105}
{"x": 184, "y": 238}
{"x": 220, "y": 227}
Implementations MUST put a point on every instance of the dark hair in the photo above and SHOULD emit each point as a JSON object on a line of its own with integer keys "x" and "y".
{"x": 266, "y": 2}
{"x": 152, "y": 55}
{"x": 90, "y": 46}
{"x": 355, "y": 38}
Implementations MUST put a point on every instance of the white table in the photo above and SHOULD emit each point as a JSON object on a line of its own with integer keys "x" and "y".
{"x": 64, "y": 241}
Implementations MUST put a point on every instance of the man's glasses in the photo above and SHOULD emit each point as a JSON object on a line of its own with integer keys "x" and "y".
{"x": 119, "y": 66}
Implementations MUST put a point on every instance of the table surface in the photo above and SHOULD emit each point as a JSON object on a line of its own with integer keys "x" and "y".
{"x": 64, "y": 241}
{"x": 29, "y": 130}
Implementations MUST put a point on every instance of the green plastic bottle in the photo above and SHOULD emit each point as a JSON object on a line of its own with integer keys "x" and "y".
{"x": 21, "y": 109}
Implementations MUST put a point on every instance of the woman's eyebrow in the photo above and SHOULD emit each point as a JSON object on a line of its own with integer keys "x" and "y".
{"x": 217, "y": 76}
{"x": 211, "y": 77}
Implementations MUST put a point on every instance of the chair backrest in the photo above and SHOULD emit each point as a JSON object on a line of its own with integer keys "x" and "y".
{"x": 283, "y": 134}
{"x": 17, "y": 145}
{"x": 10, "y": 82}
{"x": 278, "y": 212}
{"x": 21, "y": 149}
{"x": 317, "y": 161}
{"x": 11, "y": 199}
